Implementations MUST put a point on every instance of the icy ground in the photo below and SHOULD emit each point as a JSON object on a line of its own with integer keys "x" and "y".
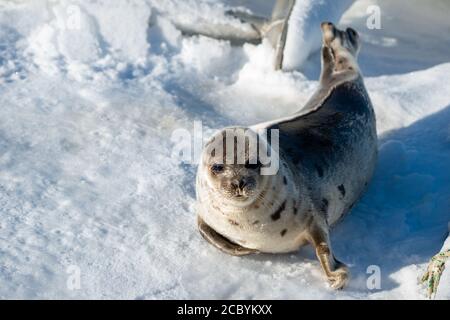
{"x": 88, "y": 181}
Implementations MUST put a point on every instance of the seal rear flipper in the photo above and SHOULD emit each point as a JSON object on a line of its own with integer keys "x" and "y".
{"x": 220, "y": 242}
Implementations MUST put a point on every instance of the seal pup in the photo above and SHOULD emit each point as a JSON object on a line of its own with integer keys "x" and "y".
{"x": 326, "y": 153}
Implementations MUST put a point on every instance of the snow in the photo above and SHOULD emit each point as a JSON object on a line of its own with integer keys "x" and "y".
{"x": 444, "y": 291}
{"x": 304, "y": 36}
{"x": 90, "y": 96}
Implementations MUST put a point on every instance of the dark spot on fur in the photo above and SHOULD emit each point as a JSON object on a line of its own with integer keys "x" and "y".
{"x": 234, "y": 223}
{"x": 342, "y": 189}
{"x": 277, "y": 214}
{"x": 218, "y": 209}
{"x": 309, "y": 218}
{"x": 295, "y": 208}
{"x": 317, "y": 141}
{"x": 283, "y": 232}
{"x": 256, "y": 222}
{"x": 324, "y": 206}
{"x": 284, "y": 180}
{"x": 319, "y": 170}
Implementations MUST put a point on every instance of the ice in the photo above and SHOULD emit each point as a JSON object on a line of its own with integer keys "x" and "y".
{"x": 91, "y": 94}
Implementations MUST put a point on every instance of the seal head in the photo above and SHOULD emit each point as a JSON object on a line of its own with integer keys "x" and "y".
{"x": 232, "y": 166}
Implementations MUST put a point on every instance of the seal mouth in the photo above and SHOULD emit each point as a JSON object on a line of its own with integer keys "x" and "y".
{"x": 240, "y": 197}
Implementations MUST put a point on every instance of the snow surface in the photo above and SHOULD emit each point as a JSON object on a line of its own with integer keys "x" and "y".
{"x": 88, "y": 178}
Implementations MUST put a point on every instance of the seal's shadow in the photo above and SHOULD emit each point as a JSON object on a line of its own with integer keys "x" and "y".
{"x": 402, "y": 219}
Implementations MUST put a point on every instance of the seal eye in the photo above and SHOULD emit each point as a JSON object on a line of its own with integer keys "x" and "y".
{"x": 253, "y": 166}
{"x": 217, "y": 168}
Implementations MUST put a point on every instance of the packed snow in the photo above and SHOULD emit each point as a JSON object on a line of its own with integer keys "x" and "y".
{"x": 91, "y": 93}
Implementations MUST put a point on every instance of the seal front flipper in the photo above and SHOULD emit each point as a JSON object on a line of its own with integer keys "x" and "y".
{"x": 327, "y": 62}
{"x": 221, "y": 242}
{"x": 335, "y": 271}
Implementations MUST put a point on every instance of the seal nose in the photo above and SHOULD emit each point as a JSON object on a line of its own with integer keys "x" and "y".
{"x": 239, "y": 184}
